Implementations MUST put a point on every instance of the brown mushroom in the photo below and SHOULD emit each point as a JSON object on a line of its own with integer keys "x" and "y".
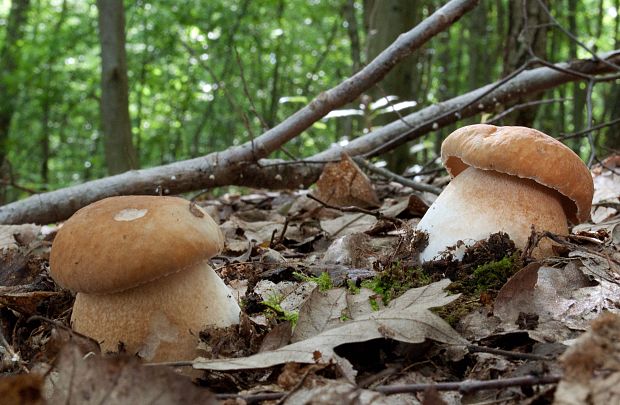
{"x": 139, "y": 265}
{"x": 506, "y": 179}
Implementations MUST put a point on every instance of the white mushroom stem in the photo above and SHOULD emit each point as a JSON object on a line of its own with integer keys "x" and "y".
{"x": 160, "y": 320}
{"x": 478, "y": 203}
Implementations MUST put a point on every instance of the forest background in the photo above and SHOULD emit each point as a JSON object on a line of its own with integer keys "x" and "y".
{"x": 197, "y": 77}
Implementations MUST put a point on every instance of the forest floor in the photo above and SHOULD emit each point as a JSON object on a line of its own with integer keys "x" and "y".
{"x": 338, "y": 310}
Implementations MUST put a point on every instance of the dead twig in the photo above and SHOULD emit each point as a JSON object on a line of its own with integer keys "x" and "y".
{"x": 588, "y": 130}
{"x": 471, "y": 385}
{"x": 507, "y": 353}
{"x": 467, "y": 386}
{"x": 521, "y": 106}
{"x": 395, "y": 177}
{"x": 376, "y": 214}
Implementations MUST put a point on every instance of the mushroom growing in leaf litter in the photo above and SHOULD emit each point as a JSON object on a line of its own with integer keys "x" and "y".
{"x": 506, "y": 179}
{"x": 139, "y": 265}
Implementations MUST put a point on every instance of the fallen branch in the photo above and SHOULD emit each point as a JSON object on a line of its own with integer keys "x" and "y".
{"x": 466, "y": 386}
{"x": 484, "y": 99}
{"x": 227, "y": 167}
{"x": 395, "y": 177}
{"x": 230, "y": 168}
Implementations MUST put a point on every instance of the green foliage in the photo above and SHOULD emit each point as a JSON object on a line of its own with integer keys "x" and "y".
{"x": 324, "y": 282}
{"x": 190, "y": 94}
{"x": 273, "y": 305}
{"x": 352, "y": 287}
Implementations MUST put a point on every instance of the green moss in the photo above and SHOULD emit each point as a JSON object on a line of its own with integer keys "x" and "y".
{"x": 352, "y": 287}
{"x": 373, "y": 304}
{"x": 492, "y": 276}
{"x": 273, "y": 305}
{"x": 395, "y": 280}
{"x": 323, "y": 281}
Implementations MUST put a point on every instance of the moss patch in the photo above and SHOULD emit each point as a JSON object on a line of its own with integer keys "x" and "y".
{"x": 395, "y": 280}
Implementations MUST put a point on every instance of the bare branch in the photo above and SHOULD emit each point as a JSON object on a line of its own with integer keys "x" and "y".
{"x": 227, "y": 167}
{"x": 395, "y": 177}
{"x": 484, "y": 99}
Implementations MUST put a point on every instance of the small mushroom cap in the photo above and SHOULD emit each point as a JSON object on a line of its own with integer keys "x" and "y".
{"x": 526, "y": 153}
{"x": 122, "y": 242}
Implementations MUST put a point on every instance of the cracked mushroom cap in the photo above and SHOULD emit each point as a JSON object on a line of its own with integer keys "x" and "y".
{"x": 122, "y": 242}
{"x": 525, "y": 153}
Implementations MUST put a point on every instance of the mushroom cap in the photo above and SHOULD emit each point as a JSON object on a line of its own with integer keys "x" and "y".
{"x": 526, "y": 153}
{"x": 121, "y": 242}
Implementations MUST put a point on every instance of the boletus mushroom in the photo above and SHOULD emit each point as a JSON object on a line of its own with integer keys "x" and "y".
{"x": 139, "y": 266}
{"x": 506, "y": 179}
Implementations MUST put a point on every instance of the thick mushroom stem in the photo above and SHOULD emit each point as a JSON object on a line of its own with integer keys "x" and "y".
{"x": 160, "y": 320}
{"x": 478, "y": 203}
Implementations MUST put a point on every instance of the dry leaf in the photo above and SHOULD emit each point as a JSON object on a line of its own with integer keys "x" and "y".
{"x": 325, "y": 310}
{"x": 564, "y": 299}
{"x": 277, "y": 337}
{"x": 407, "y": 319}
{"x": 606, "y": 188}
{"x": 348, "y": 224}
{"x": 13, "y": 236}
{"x": 592, "y": 365}
{"x": 344, "y": 184}
{"x": 21, "y": 389}
{"x": 24, "y": 302}
{"x": 91, "y": 379}
{"x": 322, "y": 310}
{"x": 354, "y": 250}
{"x": 338, "y": 392}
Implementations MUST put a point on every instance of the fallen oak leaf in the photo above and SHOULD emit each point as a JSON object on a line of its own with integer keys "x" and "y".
{"x": 407, "y": 318}
{"x": 92, "y": 379}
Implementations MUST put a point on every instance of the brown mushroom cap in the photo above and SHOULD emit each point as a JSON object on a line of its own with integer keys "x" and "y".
{"x": 122, "y": 242}
{"x": 525, "y": 153}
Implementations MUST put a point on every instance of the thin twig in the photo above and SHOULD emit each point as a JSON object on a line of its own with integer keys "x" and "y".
{"x": 524, "y": 105}
{"x": 463, "y": 387}
{"x": 397, "y": 178}
{"x": 506, "y": 353}
{"x": 246, "y": 91}
{"x": 587, "y": 130}
{"x": 468, "y": 386}
{"x": 376, "y": 214}
{"x": 574, "y": 38}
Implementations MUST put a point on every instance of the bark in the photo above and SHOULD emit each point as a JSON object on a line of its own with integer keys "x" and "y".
{"x": 47, "y": 103}
{"x": 348, "y": 11}
{"x": 579, "y": 89}
{"x": 120, "y": 152}
{"x": 481, "y": 61}
{"x": 9, "y": 59}
{"x": 235, "y": 166}
{"x": 275, "y": 76}
{"x": 469, "y": 104}
{"x": 527, "y": 34}
{"x": 385, "y": 20}
{"x": 61, "y": 205}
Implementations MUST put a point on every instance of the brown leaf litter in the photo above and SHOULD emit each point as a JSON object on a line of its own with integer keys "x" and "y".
{"x": 337, "y": 305}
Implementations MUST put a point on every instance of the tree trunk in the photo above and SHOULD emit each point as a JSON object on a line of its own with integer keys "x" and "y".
{"x": 385, "y": 20}
{"x": 9, "y": 59}
{"x": 579, "y": 89}
{"x": 612, "y": 100}
{"x": 120, "y": 153}
{"x": 527, "y": 30}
